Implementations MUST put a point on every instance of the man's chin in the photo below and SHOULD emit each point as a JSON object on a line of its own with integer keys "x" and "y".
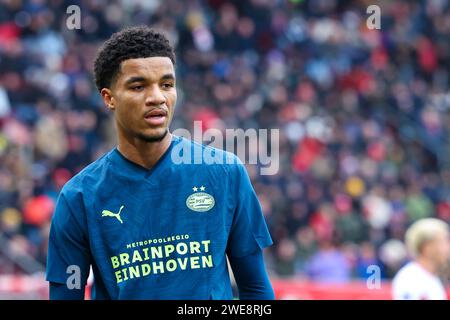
{"x": 154, "y": 136}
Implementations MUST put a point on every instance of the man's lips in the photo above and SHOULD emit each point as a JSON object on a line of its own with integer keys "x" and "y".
{"x": 155, "y": 117}
{"x": 155, "y": 113}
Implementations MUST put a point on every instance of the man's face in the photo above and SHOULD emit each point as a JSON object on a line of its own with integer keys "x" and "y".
{"x": 143, "y": 98}
{"x": 439, "y": 249}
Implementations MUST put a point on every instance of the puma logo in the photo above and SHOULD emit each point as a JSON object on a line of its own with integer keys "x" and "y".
{"x": 107, "y": 213}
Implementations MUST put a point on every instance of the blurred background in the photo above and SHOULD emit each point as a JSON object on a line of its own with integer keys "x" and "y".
{"x": 363, "y": 117}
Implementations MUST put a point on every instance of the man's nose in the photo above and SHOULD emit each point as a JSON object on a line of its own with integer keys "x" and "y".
{"x": 155, "y": 96}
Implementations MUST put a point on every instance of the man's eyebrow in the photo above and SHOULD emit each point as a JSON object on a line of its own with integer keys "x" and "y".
{"x": 168, "y": 76}
{"x": 134, "y": 79}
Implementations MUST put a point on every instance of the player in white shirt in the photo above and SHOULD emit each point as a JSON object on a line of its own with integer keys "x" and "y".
{"x": 428, "y": 241}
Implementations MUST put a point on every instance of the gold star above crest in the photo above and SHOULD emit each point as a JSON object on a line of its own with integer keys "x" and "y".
{"x": 202, "y": 188}
{"x": 195, "y": 189}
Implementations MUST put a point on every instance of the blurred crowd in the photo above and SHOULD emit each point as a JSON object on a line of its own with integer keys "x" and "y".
{"x": 363, "y": 116}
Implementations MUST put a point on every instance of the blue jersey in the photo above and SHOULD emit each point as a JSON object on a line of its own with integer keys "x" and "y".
{"x": 159, "y": 233}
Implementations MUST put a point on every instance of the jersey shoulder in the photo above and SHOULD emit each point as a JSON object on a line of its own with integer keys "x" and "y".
{"x": 407, "y": 273}
{"x": 86, "y": 179}
{"x": 212, "y": 157}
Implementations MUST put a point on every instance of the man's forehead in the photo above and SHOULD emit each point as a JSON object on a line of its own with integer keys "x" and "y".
{"x": 150, "y": 66}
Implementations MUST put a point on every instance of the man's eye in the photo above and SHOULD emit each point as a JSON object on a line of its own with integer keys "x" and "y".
{"x": 168, "y": 85}
{"x": 137, "y": 88}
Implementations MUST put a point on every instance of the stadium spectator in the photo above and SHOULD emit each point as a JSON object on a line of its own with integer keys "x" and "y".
{"x": 428, "y": 241}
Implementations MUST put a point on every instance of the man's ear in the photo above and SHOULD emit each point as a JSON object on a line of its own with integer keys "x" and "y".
{"x": 108, "y": 98}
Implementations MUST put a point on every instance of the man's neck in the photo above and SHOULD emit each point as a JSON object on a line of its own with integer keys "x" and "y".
{"x": 143, "y": 153}
{"x": 427, "y": 265}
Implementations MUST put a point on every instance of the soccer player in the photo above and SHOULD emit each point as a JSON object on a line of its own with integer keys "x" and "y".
{"x": 150, "y": 226}
{"x": 428, "y": 242}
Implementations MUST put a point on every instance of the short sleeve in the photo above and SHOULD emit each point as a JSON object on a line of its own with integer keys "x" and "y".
{"x": 67, "y": 247}
{"x": 249, "y": 231}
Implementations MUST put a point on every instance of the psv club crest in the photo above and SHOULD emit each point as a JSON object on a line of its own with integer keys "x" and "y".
{"x": 200, "y": 201}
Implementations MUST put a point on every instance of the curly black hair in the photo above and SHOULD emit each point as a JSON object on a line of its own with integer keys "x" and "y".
{"x": 130, "y": 43}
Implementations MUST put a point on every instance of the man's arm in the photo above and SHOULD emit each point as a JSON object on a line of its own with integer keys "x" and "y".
{"x": 251, "y": 277}
{"x": 59, "y": 291}
{"x": 67, "y": 247}
{"x": 247, "y": 238}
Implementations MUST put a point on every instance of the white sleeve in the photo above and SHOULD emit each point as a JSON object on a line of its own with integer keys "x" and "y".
{"x": 405, "y": 289}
